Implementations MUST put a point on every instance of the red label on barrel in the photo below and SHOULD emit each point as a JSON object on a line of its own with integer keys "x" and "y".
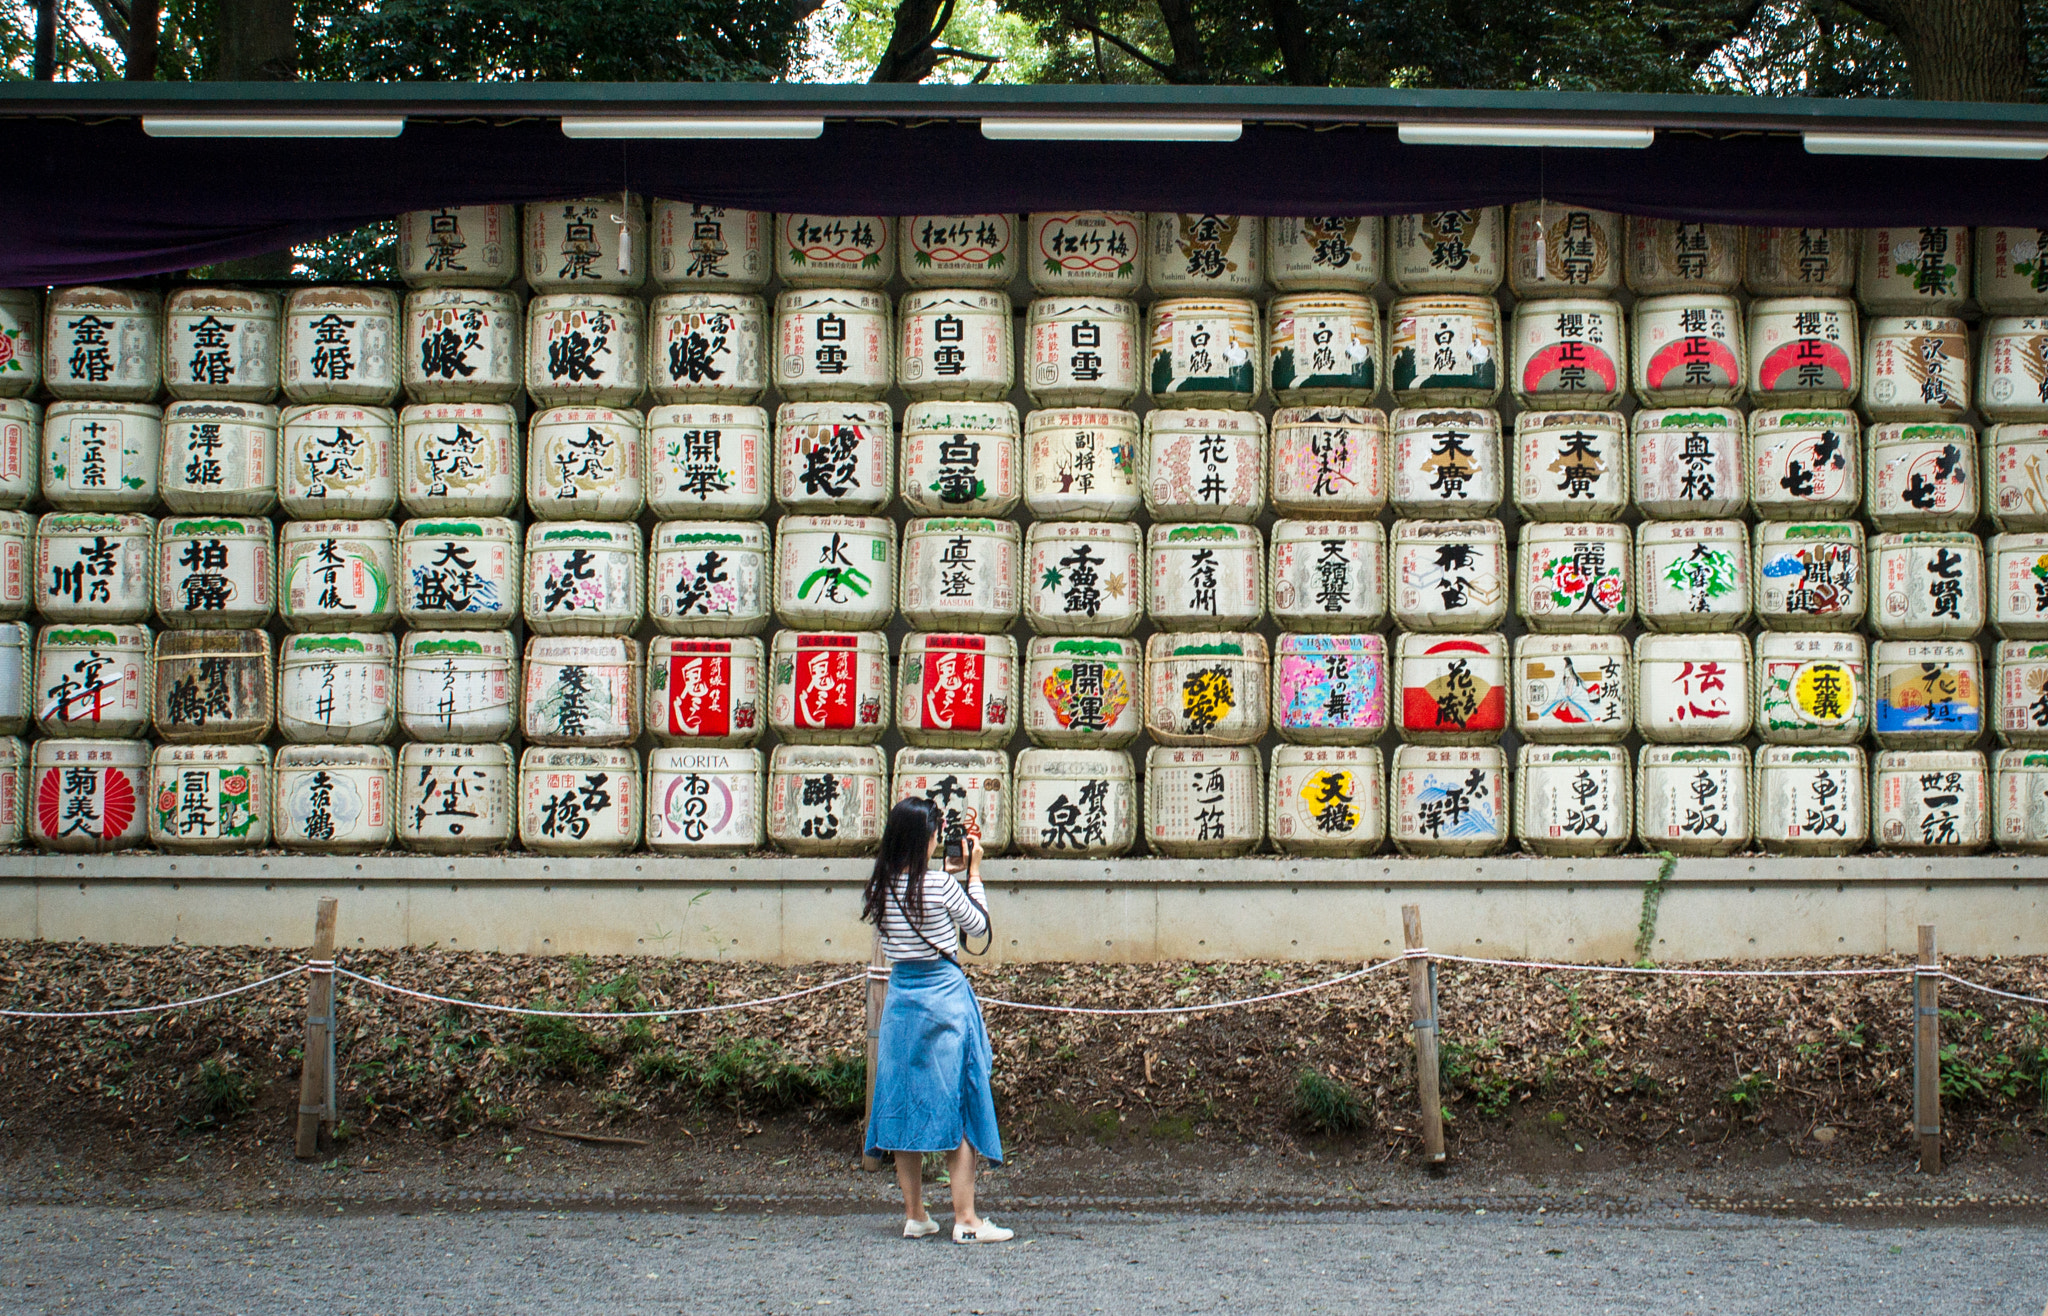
{"x": 826, "y": 667}
{"x": 700, "y": 688}
{"x": 953, "y": 666}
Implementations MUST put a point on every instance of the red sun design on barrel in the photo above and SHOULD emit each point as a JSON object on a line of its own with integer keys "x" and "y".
{"x": 1692, "y": 362}
{"x": 1805, "y": 363}
{"x": 109, "y": 790}
{"x": 1570, "y": 367}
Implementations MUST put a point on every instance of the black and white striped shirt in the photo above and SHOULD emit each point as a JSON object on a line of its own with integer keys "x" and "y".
{"x": 949, "y": 910}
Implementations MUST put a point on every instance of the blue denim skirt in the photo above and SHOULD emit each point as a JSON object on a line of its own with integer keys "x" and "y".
{"x": 931, "y": 1077}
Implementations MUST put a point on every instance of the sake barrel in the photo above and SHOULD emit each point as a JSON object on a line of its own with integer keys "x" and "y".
{"x": 1083, "y": 351}
{"x": 1804, "y": 465}
{"x": 580, "y": 690}
{"x": 1570, "y": 354}
{"x": 212, "y": 686}
{"x": 219, "y": 457}
{"x": 1811, "y": 575}
{"x": 2012, "y": 380}
{"x": 957, "y": 691}
{"x": 1329, "y": 461}
{"x": 1082, "y": 692}
{"x": 2019, "y": 800}
{"x": 459, "y": 247}
{"x": 1205, "y": 464}
{"x": 1444, "y": 351}
{"x": 1691, "y": 462}
{"x": 1688, "y": 350}
{"x": 585, "y": 349}
{"x": 1206, "y": 576}
{"x": 961, "y": 458}
{"x": 709, "y": 578}
{"x": 337, "y": 462}
{"x": 1914, "y": 270}
{"x": 93, "y": 681}
{"x": 1075, "y": 803}
{"x": 969, "y": 787}
{"x": 579, "y": 801}
{"x": 707, "y": 461}
{"x": 1682, "y": 255}
{"x": 335, "y": 689}
{"x": 1204, "y": 352}
{"x": 1081, "y": 464}
{"x": 955, "y": 344}
{"x": 216, "y": 573}
{"x": 101, "y": 456}
{"x": 583, "y": 464}
{"x": 1329, "y": 689}
{"x": 708, "y": 347}
{"x": 21, "y": 357}
{"x": 333, "y": 799}
{"x": 221, "y": 344}
{"x": 463, "y": 345}
{"x": 458, "y": 686}
{"x": 1927, "y": 585}
{"x": 1693, "y": 689}
{"x": 1693, "y": 575}
{"x": 835, "y": 456}
{"x": 706, "y": 692}
{"x": 17, "y": 702}
{"x": 1449, "y": 575}
{"x": 455, "y": 799}
{"x": 1803, "y": 352}
{"x": 1204, "y": 255}
{"x": 336, "y": 575}
{"x": 1573, "y": 800}
{"x": 1927, "y": 694}
{"x": 1327, "y": 801}
{"x": 1084, "y": 577}
{"x": 1923, "y": 476}
{"x": 1799, "y": 262}
{"x": 2011, "y": 277}
{"x": 209, "y": 799}
{"x": 1329, "y": 575}
{"x": 86, "y": 796}
{"x": 2019, "y": 694}
{"x": 705, "y": 801}
{"x": 1207, "y": 688}
{"x": 1573, "y": 465}
{"x": 1575, "y": 577}
{"x": 1447, "y": 251}
{"x": 459, "y": 460}
{"x": 583, "y": 578}
{"x": 103, "y": 345}
{"x": 14, "y": 774}
{"x": 1324, "y": 253}
{"x": 699, "y": 246}
{"x": 1449, "y": 801}
{"x": 95, "y": 567}
{"x": 853, "y": 251}
{"x": 827, "y": 799}
{"x": 1571, "y": 689}
{"x": 1095, "y": 253}
{"x": 1203, "y": 803}
{"x": 459, "y": 573}
{"x": 1915, "y": 367}
{"x": 829, "y": 687}
{"x": 1693, "y": 799}
{"x": 1812, "y": 689}
{"x": 1811, "y": 801}
{"x": 1931, "y": 801}
{"x": 586, "y": 243}
{"x": 1560, "y": 250}
{"x": 1447, "y": 461}
{"x": 21, "y": 434}
{"x": 341, "y": 344}
{"x": 833, "y": 343}
{"x": 1323, "y": 347}
{"x": 835, "y": 571}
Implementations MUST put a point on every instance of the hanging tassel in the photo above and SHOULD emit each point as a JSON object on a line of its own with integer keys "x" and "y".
{"x": 625, "y": 232}
{"x": 1542, "y": 256}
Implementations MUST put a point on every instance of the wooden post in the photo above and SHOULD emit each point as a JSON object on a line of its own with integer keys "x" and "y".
{"x": 316, "y": 1073}
{"x": 1423, "y": 1005}
{"x": 1927, "y": 1052}
{"x": 878, "y": 996}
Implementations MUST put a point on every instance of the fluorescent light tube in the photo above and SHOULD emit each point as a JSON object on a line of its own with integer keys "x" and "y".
{"x": 690, "y": 126}
{"x": 1112, "y": 130}
{"x": 1953, "y": 148}
{"x": 1524, "y": 134}
{"x": 161, "y": 125}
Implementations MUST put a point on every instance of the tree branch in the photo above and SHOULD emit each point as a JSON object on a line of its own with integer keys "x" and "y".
{"x": 1163, "y": 70}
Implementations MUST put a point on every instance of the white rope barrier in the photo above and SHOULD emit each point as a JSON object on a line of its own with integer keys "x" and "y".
{"x": 1194, "y": 1009}
{"x": 1993, "y": 991}
{"x": 1901, "y": 970}
{"x": 152, "y": 1009}
{"x": 524, "y": 1011}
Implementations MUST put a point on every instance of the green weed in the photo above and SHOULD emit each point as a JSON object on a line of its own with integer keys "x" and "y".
{"x": 1327, "y": 1105}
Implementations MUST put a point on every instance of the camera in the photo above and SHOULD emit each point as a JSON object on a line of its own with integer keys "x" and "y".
{"x": 956, "y": 850}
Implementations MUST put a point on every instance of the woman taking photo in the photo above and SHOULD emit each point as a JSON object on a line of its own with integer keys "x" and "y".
{"x": 931, "y": 1078}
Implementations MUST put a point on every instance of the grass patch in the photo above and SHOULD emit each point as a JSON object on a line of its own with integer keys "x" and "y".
{"x": 1327, "y": 1105}
{"x": 221, "y": 1091}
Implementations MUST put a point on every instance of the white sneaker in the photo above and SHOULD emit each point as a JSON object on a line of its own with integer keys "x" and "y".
{"x": 924, "y": 1228}
{"x": 988, "y": 1231}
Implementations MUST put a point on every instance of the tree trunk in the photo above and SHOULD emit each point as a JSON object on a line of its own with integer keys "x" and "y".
{"x": 909, "y": 57}
{"x": 145, "y": 19}
{"x": 45, "y": 67}
{"x": 1190, "y": 61}
{"x": 1958, "y": 50}
{"x": 257, "y": 42}
{"x": 1298, "y": 56}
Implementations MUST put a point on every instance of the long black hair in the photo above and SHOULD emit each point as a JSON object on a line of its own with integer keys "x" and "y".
{"x": 906, "y": 851}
